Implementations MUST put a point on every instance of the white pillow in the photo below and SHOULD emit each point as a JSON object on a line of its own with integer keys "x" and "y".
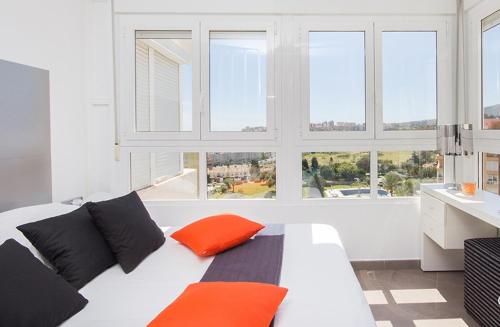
{"x": 9, "y": 220}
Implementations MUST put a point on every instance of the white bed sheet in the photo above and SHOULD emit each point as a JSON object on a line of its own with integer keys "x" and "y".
{"x": 323, "y": 290}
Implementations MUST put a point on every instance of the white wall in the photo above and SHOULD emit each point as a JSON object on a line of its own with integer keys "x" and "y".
{"x": 384, "y": 7}
{"x": 369, "y": 231}
{"x": 375, "y": 229}
{"x": 50, "y": 35}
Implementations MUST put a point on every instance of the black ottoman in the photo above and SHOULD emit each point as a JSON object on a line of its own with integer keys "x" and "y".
{"x": 482, "y": 280}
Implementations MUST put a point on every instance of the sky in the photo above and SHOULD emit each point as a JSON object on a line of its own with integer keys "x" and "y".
{"x": 491, "y": 66}
{"x": 337, "y": 77}
{"x": 238, "y": 88}
{"x": 238, "y": 83}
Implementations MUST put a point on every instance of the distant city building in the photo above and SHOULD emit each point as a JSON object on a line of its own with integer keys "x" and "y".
{"x": 228, "y": 158}
{"x": 239, "y": 172}
{"x": 255, "y": 129}
{"x": 427, "y": 124}
{"x": 331, "y": 125}
{"x": 237, "y": 165}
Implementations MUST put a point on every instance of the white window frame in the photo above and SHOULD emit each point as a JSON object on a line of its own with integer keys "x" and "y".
{"x": 239, "y": 25}
{"x": 367, "y": 28}
{"x": 443, "y": 82}
{"x": 475, "y": 68}
{"x": 126, "y": 27}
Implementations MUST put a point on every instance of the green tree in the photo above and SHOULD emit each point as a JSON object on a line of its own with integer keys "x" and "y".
{"x": 427, "y": 157}
{"x": 347, "y": 171}
{"x": 229, "y": 181}
{"x": 429, "y": 172}
{"x": 271, "y": 179}
{"x": 314, "y": 165}
{"x": 407, "y": 188}
{"x": 415, "y": 159}
{"x": 363, "y": 164}
{"x": 319, "y": 184}
{"x": 391, "y": 181}
{"x": 327, "y": 172}
{"x": 385, "y": 166}
{"x": 254, "y": 169}
{"x": 305, "y": 164}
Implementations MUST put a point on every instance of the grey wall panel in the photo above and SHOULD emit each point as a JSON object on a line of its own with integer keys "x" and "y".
{"x": 25, "y": 164}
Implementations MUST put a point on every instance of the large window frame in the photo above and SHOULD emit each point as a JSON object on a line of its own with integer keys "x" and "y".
{"x": 213, "y": 25}
{"x": 443, "y": 82}
{"x": 200, "y": 28}
{"x": 287, "y": 103}
{"x": 367, "y": 29}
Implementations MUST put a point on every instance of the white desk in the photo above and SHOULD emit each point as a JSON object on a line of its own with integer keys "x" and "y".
{"x": 448, "y": 218}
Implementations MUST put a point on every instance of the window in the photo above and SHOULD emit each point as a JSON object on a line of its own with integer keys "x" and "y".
{"x": 241, "y": 175}
{"x": 491, "y": 170}
{"x": 163, "y": 81}
{"x": 491, "y": 71}
{"x": 401, "y": 173}
{"x": 335, "y": 175}
{"x": 409, "y": 80}
{"x": 164, "y": 175}
{"x": 238, "y": 81}
{"x": 337, "y": 81}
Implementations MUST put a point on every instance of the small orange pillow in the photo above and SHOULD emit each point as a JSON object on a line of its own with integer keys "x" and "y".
{"x": 217, "y": 304}
{"x": 211, "y": 235}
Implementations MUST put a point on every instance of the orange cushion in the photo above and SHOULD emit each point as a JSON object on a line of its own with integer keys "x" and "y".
{"x": 211, "y": 235}
{"x": 221, "y": 304}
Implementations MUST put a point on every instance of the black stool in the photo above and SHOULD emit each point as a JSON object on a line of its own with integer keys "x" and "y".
{"x": 482, "y": 280}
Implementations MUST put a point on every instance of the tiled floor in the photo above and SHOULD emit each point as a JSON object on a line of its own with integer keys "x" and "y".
{"x": 410, "y": 297}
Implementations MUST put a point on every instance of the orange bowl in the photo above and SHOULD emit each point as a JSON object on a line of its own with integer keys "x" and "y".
{"x": 469, "y": 188}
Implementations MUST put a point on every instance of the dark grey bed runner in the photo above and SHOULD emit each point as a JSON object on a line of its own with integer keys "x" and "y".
{"x": 257, "y": 260}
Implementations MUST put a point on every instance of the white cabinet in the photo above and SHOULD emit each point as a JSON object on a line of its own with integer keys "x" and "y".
{"x": 449, "y": 226}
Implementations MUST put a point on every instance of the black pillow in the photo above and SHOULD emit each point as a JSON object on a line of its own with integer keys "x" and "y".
{"x": 32, "y": 294}
{"x": 72, "y": 244}
{"x": 127, "y": 227}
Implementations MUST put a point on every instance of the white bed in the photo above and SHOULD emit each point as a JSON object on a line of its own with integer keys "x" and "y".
{"x": 323, "y": 290}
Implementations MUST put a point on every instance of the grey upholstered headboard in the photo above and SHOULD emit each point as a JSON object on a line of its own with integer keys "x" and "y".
{"x": 25, "y": 165}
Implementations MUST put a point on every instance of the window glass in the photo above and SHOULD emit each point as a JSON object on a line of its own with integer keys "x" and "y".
{"x": 164, "y": 175}
{"x": 491, "y": 71}
{"x": 163, "y": 81}
{"x": 491, "y": 169}
{"x": 337, "y": 81}
{"x": 400, "y": 173}
{"x": 409, "y": 80}
{"x": 238, "y": 81}
{"x": 241, "y": 175}
{"x": 335, "y": 175}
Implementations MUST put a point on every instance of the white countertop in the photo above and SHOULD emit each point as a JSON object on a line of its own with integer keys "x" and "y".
{"x": 483, "y": 205}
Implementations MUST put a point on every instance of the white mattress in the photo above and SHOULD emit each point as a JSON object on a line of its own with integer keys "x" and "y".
{"x": 323, "y": 290}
